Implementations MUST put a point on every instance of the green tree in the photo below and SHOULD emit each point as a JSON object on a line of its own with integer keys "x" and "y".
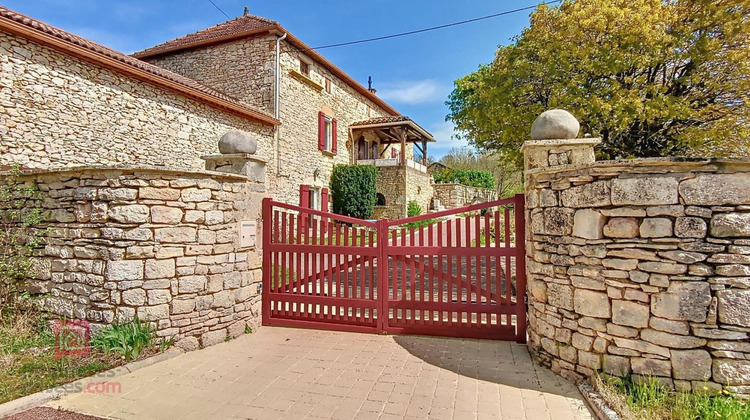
{"x": 651, "y": 77}
{"x": 353, "y": 190}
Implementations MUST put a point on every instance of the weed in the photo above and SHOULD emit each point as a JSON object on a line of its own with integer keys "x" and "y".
{"x": 248, "y": 329}
{"x": 127, "y": 339}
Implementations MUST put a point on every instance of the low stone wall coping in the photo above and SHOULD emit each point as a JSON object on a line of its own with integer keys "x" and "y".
{"x": 129, "y": 168}
{"x": 682, "y": 163}
{"x": 450, "y": 184}
{"x": 229, "y": 156}
{"x": 530, "y": 144}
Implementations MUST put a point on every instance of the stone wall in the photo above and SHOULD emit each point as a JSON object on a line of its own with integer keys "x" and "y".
{"x": 162, "y": 245}
{"x": 399, "y": 185}
{"x": 57, "y": 110}
{"x": 455, "y": 195}
{"x": 639, "y": 267}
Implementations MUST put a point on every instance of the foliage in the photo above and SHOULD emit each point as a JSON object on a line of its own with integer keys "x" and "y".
{"x": 472, "y": 178}
{"x": 651, "y": 77}
{"x": 508, "y": 179}
{"x": 353, "y": 190}
{"x": 128, "y": 339}
{"x": 413, "y": 209}
{"x": 647, "y": 399}
{"x": 20, "y": 215}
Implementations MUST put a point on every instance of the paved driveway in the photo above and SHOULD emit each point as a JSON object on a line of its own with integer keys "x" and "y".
{"x": 294, "y": 373}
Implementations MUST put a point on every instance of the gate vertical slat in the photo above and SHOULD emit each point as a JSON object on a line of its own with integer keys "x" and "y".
{"x": 520, "y": 269}
{"x": 508, "y": 267}
{"x": 440, "y": 277}
{"x": 266, "y": 226}
{"x": 477, "y": 270}
{"x": 300, "y": 273}
{"x": 488, "y": 270}
{"x": 448, "y": 244}
{"x": 431, "y": 276}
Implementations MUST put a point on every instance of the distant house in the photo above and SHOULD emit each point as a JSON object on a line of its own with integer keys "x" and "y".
{"x": 76, "y": 102}
{"x": 436, "y": 166}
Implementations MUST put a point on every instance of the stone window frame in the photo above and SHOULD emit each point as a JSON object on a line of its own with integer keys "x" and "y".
{"x": 328, "y": 84}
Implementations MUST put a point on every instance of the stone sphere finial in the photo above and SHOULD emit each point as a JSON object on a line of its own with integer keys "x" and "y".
{"x": 555, "y": 124}
{"x": 236, "y": 141}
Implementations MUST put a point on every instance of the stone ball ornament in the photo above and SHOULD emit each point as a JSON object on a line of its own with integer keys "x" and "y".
{"x": 555, "y": 124}
{"x": 236, "y": 141}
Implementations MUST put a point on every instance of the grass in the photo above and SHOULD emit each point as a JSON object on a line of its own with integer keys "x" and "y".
{"x": 648, "y": 399}
{"x": 28, "y": 362}
{"x": 27, "y": 354}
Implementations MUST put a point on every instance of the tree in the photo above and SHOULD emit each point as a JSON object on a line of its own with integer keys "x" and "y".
{"x": 354, "y": 190}
{"x": 651, "y": 77}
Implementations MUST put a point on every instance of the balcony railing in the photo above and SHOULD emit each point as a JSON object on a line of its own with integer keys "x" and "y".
{"x": 392, "y": 162}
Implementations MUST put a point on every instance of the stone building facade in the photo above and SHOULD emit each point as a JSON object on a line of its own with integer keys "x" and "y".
{"x": 639, "y": 267}
{"x": 245, "y": 67}
{"x": 159, "y": 244}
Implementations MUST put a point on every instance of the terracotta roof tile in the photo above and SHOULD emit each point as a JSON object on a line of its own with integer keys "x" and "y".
{"x": 228, "y": 29}
{"x": 382, "y": 120}
{"x": 100, "y": 50}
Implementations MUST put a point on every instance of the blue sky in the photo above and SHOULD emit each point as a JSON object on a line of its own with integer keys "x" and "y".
{"x": 415, "y": 74}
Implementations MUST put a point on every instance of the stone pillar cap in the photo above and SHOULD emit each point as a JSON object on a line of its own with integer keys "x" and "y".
{"x": 555, "y": 124}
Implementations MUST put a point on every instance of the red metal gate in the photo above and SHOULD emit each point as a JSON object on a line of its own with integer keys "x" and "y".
{"x": 457, "y": 273}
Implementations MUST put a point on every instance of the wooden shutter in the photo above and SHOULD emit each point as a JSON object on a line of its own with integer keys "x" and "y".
{"x": 324, "y": 205}
{"x": 304, "y": 202}
{"x": 334, "y": 137}
{"x": 324, "y": 200}
{"x": 321, "y": 131}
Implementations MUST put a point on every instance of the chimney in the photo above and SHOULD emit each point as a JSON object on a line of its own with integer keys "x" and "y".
{"x": 247, "y": 11}
{"x": 369, "y": 85}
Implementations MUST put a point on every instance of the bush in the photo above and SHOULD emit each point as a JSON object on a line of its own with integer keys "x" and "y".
{"x": 353, "y": 190}
{"x": 20, "y": 214}
{"x": 413, "y": 209}
{"x": 472, "y": 178}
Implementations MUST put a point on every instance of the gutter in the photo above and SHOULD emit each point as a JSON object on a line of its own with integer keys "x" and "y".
{"x": 277, "y": 94}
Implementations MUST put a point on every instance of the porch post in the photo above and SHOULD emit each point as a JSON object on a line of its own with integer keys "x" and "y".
{"x": 402, "y": 158}
{"x": 424, "y": 152}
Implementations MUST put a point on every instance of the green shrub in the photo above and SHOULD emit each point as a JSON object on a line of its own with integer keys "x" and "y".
{"x": 20, "y": 215}
{"x": 413, "y": 209}
{"x": 353, "y": 190}
{"x": 128, "y": 339}
{"x": 472, "y": 178}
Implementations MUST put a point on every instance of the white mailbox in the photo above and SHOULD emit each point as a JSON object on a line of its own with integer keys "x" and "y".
{"x": 248, "y": 233}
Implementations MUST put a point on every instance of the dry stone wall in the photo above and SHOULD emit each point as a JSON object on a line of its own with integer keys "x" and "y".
{"x": 640, "y": 267}
{"x": 57, "y": 110}
{"x": 162, "y": 245}
{"x": 455, "y": 195}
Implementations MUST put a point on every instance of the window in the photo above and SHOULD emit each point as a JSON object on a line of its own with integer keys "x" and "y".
{"x": 327, "y": 138}
{"x": 314, "y": 198}
{"x": 328, "y": 85}
{"x": 304, "y": 67}
{"x": 381, "y": 200}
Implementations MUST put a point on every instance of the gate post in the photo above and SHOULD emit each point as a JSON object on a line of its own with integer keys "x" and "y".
{"x": 265, "y": 297}
{"x": 383, "y": 284}
{"x": 520, "y": 216}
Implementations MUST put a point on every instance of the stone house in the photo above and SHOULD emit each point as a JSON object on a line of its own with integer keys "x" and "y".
{"x": 68, "y": 101}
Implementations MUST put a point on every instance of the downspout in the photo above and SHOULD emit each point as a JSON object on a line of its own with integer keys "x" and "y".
{"x": 276, "y": 92}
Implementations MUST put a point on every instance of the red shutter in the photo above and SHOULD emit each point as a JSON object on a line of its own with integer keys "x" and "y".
{"x": 334, "y": 137}
{"x": 321, "y": 131}
{"x": 324, "y": 200}
{"x": 324, "y": 205}
{"x": 304, "y": 202}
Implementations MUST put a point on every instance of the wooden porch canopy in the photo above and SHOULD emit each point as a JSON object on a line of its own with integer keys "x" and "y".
{"x": 394, "y": 130}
